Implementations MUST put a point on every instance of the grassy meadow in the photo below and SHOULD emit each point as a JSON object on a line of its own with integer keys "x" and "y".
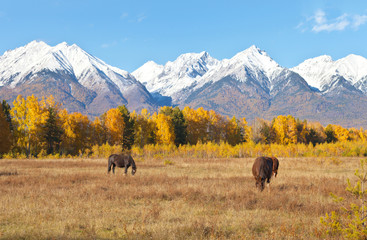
{"x": 171, "y": 198}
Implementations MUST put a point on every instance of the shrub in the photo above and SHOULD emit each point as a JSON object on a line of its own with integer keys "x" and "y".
{"x": 350, "y": 221}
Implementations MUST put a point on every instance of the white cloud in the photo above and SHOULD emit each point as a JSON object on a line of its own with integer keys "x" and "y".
{"x": 319, "y": 22}
{"x": 323, "y": 24}
{"x": 320, "y": 17}
{"x": 359, "y": 20}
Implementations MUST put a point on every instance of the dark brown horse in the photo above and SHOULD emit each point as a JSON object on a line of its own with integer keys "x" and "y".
{"x": 263, "y": 169}
{"x": 122, "y": 161}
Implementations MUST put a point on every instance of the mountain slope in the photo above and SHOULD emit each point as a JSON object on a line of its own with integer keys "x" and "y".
{"x": 77, "y": 79}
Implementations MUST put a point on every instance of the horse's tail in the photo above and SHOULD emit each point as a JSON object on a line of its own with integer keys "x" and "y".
{"x": 109, "y": 164}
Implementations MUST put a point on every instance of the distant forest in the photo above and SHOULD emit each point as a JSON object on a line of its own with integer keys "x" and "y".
{"x": 40, "y": 127}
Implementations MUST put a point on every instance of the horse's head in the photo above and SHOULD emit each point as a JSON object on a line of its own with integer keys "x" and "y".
{"x": 133, "y": 171}
{"x": 275, "y": 166}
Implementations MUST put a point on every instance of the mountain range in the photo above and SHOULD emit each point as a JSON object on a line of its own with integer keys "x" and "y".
{"x": 80, "y": 81}
{"x": 250, "y": 84}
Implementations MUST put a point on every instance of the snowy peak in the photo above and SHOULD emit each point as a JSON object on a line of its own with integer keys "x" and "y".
{"x": 79, "y": 80}
{"x": 191, "y": 64}
{"x": 175, "y": 76}
{"x": 320, "y": 72}
{"x": 192, "y": 71}
{"x": 251, "y": 64}
{"x": 33, "y": 57}
{"x": 251, "y": 52}
{"x": 257, "y": 60}
{"x": 352, "y": 67}
{"x": 316, "y": 71}
{"x": 147, "y": 71}
{"x": 37, "y": 56}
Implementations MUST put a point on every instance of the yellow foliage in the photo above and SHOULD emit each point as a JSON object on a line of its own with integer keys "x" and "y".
{"x": 165, "y": 132}
{"x": 197, "y": 125}
{"x": 99, "y": 132}
{"x": 341, "y": 133}
{"x": 77, "y": 132}
{"x": 145, "y": 128}
{"x": 285, "y": 129}
{"x": 28, "y": 116}
{"x": 115, "y": 125}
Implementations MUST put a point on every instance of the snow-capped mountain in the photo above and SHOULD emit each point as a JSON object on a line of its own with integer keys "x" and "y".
{"x": 251, "y": 84}
{"x": 251, "y": 64}
{"x": 71, "y": 74}
{"x": 320, "y": 72}
{"x": 173, "y": 77}
{"x": 246, "y": 85}
{"x": 192, "y": 72}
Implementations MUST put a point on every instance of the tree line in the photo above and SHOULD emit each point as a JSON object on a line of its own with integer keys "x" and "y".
{"x": 36, "y": 127}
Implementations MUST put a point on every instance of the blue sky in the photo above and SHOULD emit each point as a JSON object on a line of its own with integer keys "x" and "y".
{"x": 126, "y": 34}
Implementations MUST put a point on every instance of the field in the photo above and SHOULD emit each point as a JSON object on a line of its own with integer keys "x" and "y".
{"x": 168, "y": 199}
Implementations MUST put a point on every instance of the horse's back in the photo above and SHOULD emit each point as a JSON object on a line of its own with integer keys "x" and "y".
{"x": 120, "y": 160}
{"x": 262, "y": 167}
{"x": 112, "y": 158}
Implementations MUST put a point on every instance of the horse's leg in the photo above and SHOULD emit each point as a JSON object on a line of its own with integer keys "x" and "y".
{"x": 113, "y": 168}
{"x": 126, "y": 167}
{"x": 258, "y": 182}
{"x": 262, "y": 184}
{"x": 268, "y": 185}
{"x": 109, "y": 167}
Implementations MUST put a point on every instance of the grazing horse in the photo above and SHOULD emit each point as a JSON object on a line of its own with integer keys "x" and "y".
{"x": 121, "y": 160}
{"x": 263, "y": 169}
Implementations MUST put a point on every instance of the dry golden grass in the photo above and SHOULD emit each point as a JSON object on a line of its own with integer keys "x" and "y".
{"x": 188, "y": 199}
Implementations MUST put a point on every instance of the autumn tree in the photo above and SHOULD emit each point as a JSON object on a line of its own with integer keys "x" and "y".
{"x": 315, "y": 133}
{"x": 114, "y": 124}
{"x": 28, "y": 116}
{"x": 246, "y": 130}
{"x": 6, "y": 109}
{"x": 52, "y": 130}
{"x": 357, "y": 134}
{"x": 179, "y": 124}
{"x": 99, "y": 132}
{"x": 165, "y": 130}
{"x": 362, "y": 134}
{"x": 198, "y": 125}
{"x": 285, "y": 129}
{"x": 262, "y": 132}
{"x": 301, "y": 131}
{"x": 216, "y": 127}
{"x": 341, "y": 133}
{"x": 77, "y": 133}
{"x": 234, "y": 133}
{"x": 128, "y": 130}
{"x": 5, "y": 134}
{"x": 120, "y": 127}
{"x": 330, "y": 134}
{"x": 144, "y": 128}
